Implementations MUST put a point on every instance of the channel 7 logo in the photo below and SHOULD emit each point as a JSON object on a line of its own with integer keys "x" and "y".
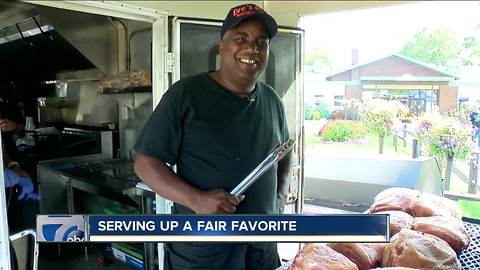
{"x": 60, "y": 228}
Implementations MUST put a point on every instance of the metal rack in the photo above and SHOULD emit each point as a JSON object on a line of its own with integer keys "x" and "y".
{"x": 470, "y": 257}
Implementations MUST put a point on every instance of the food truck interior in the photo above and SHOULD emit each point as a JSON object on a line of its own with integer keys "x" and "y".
{"x": 84, "y": 81}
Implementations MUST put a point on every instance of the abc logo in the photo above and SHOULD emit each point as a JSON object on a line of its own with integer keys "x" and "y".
{"x": 76, "y": 236}
{"x": 65, "y": 228}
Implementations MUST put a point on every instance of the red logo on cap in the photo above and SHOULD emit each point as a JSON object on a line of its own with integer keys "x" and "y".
{"x": 246, "y": 10}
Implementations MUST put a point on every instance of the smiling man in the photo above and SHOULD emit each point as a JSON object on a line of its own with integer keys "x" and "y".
{"x": 216, "y": 127}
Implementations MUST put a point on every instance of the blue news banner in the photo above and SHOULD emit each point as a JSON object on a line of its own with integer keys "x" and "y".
{"x": 214, "y": 228}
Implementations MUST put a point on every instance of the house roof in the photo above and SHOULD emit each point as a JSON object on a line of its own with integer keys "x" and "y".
{"x": 413, "y": 61}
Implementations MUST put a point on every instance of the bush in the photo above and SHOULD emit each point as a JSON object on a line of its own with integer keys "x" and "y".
{"x": 338, "y": 115}
{"x": 322, "y": 108}
{"x": 308, "y": 111}
{"x": 342, "y": 130}
{"x": 444, "y": 136}
{"x": 381, "y": 115}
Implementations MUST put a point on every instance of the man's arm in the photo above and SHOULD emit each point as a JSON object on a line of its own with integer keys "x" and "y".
{"x": 10, "y": 125}
{"x": 163, "y": 181}
{"x": 13, "y": 165}
{"x": 283, "y": 179}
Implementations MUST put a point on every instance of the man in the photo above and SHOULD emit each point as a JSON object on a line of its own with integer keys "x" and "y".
{"x": 216, "y": 127}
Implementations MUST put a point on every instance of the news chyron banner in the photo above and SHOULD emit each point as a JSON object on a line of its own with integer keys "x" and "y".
{"x": 215, "y": 228}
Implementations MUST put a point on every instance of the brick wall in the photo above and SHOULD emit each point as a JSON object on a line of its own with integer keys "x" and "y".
{"x": 353, "y": 91}
{"x": 447, "y": 98}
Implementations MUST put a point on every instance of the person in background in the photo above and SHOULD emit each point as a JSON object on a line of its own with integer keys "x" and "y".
{"x": 216, "y": 127}
{"x": 11, "y": 124}
{"x": 475, "y": 119}
{"x": 21, "y": 191}
{"x": 14, "y": 175}
{"x": 7, "y": 125}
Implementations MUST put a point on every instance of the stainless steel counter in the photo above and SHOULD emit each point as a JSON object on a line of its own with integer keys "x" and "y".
{"x": 94, "y": 174}
{"x": 109, "y": 178}
{"x": 61, "y": 180}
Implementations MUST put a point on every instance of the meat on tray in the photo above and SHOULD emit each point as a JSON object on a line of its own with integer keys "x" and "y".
{"x": 433, "y": 205}
{"x": 398, "y": 221}
{"x": 395, "y": 199}
{"x": 449, "y": 229}
{"x": 414, "y": 249}
{"x": 364, "y": 255}
{"x": 320, "y": 257}
{"x": 427, "y": 232}
{"x": 395, "y": 268}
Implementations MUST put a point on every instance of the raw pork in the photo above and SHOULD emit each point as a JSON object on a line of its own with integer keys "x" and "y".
{"x": 398, "y": 221}
{"x": 414, "y": 249}
{"x": 320, "y": 257}
{"x": 395, "y": 199}
{"x": 432, "y": 205}
{"x": 364, "y": 255}
{"x": 449, "y": 229}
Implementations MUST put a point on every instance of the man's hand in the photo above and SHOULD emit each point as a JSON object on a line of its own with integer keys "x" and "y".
{"x": 9, "y": 125}
{"x": 215, "y": 201}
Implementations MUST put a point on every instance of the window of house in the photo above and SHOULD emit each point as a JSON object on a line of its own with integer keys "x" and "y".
{"x": 337, "y": 100}
{"x": 318, "y": 99}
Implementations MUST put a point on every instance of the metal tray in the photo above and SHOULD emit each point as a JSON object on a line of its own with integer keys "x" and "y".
{"x": 469, "y": 258}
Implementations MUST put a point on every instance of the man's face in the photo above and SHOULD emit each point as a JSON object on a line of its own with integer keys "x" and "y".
{"x": 244, "y": 51}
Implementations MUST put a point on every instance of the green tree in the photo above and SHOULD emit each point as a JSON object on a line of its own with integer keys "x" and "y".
{"x": 435, "y": 46}
{"x": 471, "y": 50}
{"x": 312, "y": 56}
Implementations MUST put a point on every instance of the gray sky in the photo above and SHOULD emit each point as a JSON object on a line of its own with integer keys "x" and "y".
{"x": 382, "y": 31}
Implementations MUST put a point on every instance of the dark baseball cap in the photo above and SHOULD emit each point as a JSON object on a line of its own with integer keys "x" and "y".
{"x": 238, "y": 14}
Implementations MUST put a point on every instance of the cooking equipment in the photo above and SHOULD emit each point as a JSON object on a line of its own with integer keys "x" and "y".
{"x": 264, "y": 166}
{"x": 51, "y": 109}
{"x": 470, "y": 257}
{"x": 119, "y": 169}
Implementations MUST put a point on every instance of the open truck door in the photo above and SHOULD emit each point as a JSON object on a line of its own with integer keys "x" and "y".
{"x": 111, "y": 9}
{"x": 193, "y": 49}
{"x": 4, "y": 237}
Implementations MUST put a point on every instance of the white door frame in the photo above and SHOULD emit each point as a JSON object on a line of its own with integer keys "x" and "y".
{"x": 119, "y": 9}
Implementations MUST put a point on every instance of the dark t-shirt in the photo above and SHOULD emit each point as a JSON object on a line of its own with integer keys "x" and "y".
{"x": 216, "y": 138}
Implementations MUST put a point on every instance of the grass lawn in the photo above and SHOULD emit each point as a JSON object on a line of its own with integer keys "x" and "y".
{"x": 368, "y": 145}
{"x": 470, "y": 208}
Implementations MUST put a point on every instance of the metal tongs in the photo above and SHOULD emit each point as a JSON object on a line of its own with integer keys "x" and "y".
{"x": 264, "y": 166}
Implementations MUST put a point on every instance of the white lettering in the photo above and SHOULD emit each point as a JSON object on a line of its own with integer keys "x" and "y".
{"x": 122, "y": 225}
{"x": 101, "y": 226}
{"x": 234, "y": 225}
{"x": 169, "y": 225}
{"x": 213, "y": 226}
{"x": 271, "y": 225}
{"x": 187, "y": 226}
